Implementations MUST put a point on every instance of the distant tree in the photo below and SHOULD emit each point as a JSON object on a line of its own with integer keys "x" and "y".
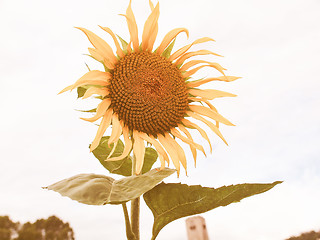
{"x": 52, "y": 228}
{"x": 7, "y": 228}
{"x": 29, "y": 232}
{"x": 307, "y": 236}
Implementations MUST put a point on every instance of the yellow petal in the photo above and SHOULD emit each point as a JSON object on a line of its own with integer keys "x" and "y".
{"x": 152, "y": 38}
{"x": 95, "y": 54}
{"x": 206, "y": 102}
{"x": 129, "y": 50}
{"x": 200, "y": 130}
{"x": 203, "y": 100}
{"x": 195, "y": 53}
{"x": 197, "y": 83}
{"x": 210, "y": 93}
{"x": 113, "y": 149}
{"x": 150, "y": 30}
{"x": 116, "y": 130}
{"x": 127, "y": 148}
{"x": 101, "y": 110}
{"x": 108, "y": 64}
{"x": 132, "y": 26}
{"x": 102, "y": 47}
{"x": 138, "y": 151}
{"x": 119, "y": 49}
{"x": 194, "y": 70}
{"x": 95, "y": 90}
{"x": 151, "y": 5}
{"x": 172, "y": 152}
{"x": 192, "y": 148}
{"x": 192, "y": 63}
{"x": 169, "y": 37}
{"x": 163, "y": 163}
{"x": 210, "y": 113}
{"x": 177, "y": 134}
{"x": 210, "y": 105}
{"x": 105, "y": 123}
{"x": 157, "y": 146}
{"x": 209, "y": 124}
{"x": 94, "y": 77}
{"x": 186, "y": 48}
{"x": 178, "y": 149}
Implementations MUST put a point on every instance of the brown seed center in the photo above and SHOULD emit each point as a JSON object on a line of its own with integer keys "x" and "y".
{"x": 148, "y": 93}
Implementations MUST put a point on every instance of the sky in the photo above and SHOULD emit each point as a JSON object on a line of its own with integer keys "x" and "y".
{"x": 273, "y": 45}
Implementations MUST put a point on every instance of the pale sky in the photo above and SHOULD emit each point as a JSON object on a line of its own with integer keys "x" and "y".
{"x": 273, "y": 45}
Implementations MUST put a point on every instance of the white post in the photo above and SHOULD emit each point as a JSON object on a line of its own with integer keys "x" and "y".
{"x": 196, "y": 228}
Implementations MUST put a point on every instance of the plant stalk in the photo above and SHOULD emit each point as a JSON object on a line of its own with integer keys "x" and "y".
{"x": 130, "y": 234}
{"x": 135, "y": 208}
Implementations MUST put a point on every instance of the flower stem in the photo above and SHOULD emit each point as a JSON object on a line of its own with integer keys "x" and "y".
{"x": 135, "y": 208}
{"x": 130, "y": 234}
{"x": 135, "y": 217}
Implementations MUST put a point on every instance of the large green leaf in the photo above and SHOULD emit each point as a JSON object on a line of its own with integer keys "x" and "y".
{"x": 169, "y": 202}
{"x": 93, "y": 189}
{"x": 122, "y": 167}
{"x": 134, "y": 186}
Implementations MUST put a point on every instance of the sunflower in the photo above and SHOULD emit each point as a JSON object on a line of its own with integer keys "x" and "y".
{"x": 148, "y": 95}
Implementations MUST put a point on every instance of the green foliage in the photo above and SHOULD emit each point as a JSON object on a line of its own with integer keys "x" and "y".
{"x": 150, "y": 157}
{"x": 28, "y": 232}
{"x": 307, "y": 236}
{"x": 123, "y": 43}
{"x": 93, "y": 189}
{"x": 81, "y": 91}
{"x": 172, "y": 201}
{"x": 88, "y": 111}
{"x": 52, "y": 228}
{"x": 43, "y": 229}
{"x": 166, "y": 53}
{"x": 5, "y": 234}
{"x": 6, "y": 222}
{"x": 122, "y": 167}
{"x": 7, "y": 228}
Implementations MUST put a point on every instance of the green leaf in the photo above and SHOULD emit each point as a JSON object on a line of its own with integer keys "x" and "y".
{"x": 166, "y": 53}
{"x": 122, "y": 167}
{"x": 169, "y": 202}
{"x": 150, "y": 157}
{"x": 81, "y": 91}
{"x": 88, "y": 111}
{"x": 93, "y": 189}
{"x": 105, "y": 68}
{"x": 132, "y": 187}
{"x": 123, "y": 43}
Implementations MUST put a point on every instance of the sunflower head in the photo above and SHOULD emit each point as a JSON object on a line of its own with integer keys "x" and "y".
{"x": 152, "y": 96}
{"x": 149, "y": 95}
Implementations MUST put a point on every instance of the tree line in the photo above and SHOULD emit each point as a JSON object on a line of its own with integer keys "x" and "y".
{"x": 51, "y": 228}
{"x": 312, "y": 235}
